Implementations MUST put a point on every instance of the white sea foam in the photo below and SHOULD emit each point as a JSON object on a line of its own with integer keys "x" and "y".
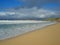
{"x": 19, "y": 21}
{"x": 8, "y": 30}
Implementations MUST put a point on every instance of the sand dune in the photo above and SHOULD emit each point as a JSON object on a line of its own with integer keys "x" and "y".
{"x": 48, "y": 36}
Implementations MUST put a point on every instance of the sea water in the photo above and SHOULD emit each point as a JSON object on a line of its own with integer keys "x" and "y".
{"x": 13, "y": 30}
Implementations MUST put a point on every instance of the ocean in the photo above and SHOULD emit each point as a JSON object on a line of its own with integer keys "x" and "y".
{"x": 12, "y": 30}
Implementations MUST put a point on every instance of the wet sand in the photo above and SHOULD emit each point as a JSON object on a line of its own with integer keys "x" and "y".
{"x": 49, "y": 35}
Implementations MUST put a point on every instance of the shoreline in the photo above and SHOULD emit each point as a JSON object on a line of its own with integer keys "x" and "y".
{"x": 31, "y": 31}
{"x": 49, "y": 35}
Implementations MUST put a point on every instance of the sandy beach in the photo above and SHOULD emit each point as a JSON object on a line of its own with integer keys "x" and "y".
{"x": 49, "y": 35}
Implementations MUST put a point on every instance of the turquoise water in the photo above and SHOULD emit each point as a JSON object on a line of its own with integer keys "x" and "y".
{"x": 12, "y": 30}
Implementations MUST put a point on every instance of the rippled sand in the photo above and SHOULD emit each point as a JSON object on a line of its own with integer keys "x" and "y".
{"x": 48, "y": 36}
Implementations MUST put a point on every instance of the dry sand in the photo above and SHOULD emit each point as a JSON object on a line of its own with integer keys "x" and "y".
{"x": 48, "y": 36}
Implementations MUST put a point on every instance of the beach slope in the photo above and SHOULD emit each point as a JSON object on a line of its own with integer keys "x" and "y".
{"x": 49, "y": 35}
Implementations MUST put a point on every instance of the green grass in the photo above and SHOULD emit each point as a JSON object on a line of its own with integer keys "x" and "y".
{"x": 53, "y": 19}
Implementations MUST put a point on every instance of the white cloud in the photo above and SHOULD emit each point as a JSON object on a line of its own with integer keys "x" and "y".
{"x": 6, "y": 13}
{"x": 30, "y": 12}
{"x": 11, "y": 13}
{"x": 1, "y": 13}
{"x": 42, "y": 13}
{"x": 36, "y": 12}
{"x": 42, "y": 16}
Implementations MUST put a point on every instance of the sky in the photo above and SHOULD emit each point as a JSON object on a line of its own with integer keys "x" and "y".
{"x": 29, "y": 9}
{"x": 10, "y": 3}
